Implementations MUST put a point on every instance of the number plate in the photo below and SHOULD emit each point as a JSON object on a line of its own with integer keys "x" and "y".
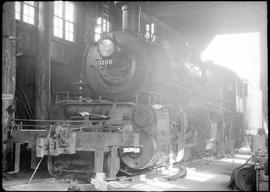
{"x": 131, "y": 149}
{"x": 104, "y": 62}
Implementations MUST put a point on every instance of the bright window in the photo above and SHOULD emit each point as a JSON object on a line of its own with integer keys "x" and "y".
{"x": 18, "y": 10}
{"x": 58, "y": 27}
{"x": 147, "y": 31}
{"x": 150, "y": 32}
{"x": 63, "y": 22}
{"x": 25, "y": 11}
{"x": 102, "y": 25}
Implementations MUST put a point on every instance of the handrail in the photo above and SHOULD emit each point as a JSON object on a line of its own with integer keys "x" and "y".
{"x": 65, "y": 121}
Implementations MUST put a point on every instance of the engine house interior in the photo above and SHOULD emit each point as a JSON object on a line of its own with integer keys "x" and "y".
{"x": 101, "y": 89}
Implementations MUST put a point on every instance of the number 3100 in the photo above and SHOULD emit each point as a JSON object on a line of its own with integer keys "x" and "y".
{"x": 104, "y": 61}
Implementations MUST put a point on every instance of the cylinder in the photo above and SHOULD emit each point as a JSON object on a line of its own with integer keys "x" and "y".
{"x": 154, "y": 142}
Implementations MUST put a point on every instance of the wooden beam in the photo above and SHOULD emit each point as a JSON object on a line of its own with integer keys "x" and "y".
{"x": 172, "y": 9}
{"x": 33, "y": 159}
{"x": 8, "y": 71}
{"x": 99, "y": 154}
{"x": 43, "y": 64}
{"x": 17, "y": 157}
{"x": 99, "y": 158}
{"x": 264, "y": 76}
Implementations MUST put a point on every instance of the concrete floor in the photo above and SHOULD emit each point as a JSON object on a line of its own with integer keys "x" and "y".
{"x": 212, "y": 175}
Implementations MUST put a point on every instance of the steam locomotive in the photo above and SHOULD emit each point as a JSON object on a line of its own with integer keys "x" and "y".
{"x": 146, "y": 107}
{"x": 141, "y": 105}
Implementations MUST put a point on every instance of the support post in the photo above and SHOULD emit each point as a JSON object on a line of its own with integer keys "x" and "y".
{"x": 43, "y": 70}
{"x": 99, "y": 158}
{"x": 221, "y": 134}
{"x": 8, "y": 73}
{"x": 33, "y": 159}
{"x": 264, "y": 72}
{"x": 17, "y": 159}
{"x": 181, "y": 134}
{"x": 113, "y": 162}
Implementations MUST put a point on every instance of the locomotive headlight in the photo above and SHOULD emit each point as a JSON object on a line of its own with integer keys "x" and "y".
{"x": 105, "y": 47}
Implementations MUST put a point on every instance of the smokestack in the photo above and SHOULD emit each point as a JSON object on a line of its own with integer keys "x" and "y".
{"x": 131, "y": 17}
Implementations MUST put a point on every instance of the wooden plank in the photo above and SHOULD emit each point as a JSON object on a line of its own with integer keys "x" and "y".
{"x": 17, "y": 157}
{"x": 33, "y": 159}
{"x": 99, "y": 158}
{"x": 88, "y": 140}
{"x": 27, "y": 136}
{"x": 181, "y": 133}
{"x": 43, "y": 61}
{"x": 99, "y": 154}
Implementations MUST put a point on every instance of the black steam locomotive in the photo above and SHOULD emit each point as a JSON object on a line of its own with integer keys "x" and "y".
{"x": 144, "y": 105}
{"x": 158, "y": 105}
